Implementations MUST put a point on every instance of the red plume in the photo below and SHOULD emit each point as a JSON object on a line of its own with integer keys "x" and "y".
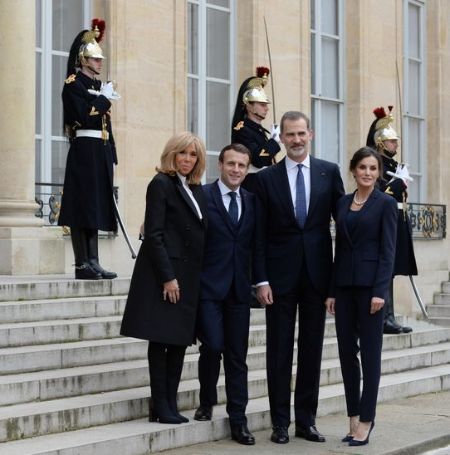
{"x": 100, "y": 23}
{"x": 379, "y": 112}
{"x": 262, "y": 71}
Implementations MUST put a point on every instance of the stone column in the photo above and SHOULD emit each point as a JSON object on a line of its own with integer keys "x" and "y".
{"x": 21, "y": 236}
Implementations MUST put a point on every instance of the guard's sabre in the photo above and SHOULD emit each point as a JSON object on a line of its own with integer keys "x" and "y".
{"x": 124, "y": 231}
{"x": 419, "y": 300}
{"x": 400, "y": 104}
{"x": 271, "y": 72}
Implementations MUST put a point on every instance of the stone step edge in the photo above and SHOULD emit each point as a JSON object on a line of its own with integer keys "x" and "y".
{"x": 56, "y": 301}
{"x": 156, "y": 437}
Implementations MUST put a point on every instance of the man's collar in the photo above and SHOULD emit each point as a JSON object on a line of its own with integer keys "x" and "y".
{"x": 291, "y": 163}
{"x": 224, "y": 189}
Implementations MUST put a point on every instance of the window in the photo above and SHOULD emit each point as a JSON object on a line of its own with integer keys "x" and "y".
{"x": 57, "y": 24}
{"x": 414, "y": 122}
{"x": 210, "y": 79}
{"x": 327, "y": 69}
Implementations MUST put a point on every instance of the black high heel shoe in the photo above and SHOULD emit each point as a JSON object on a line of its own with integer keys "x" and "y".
{"x": 347, "y": 438}
{"x": 355, "y": 442}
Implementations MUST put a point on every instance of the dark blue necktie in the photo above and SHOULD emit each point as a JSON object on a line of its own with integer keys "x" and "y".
{"x": 233, "y": 208}
{"x": 300, "y": 199}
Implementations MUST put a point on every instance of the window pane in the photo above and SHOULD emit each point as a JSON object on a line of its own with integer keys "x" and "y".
{"x": 313, "y": 14}
{"x": 217, "y": 116}
{"x": 414, "y": 106}
{"x": 330, "y": 74}
{"x": 37, "y": 162}
{"x": 329, "y": 130}
{"x": 67, "y": 17}
{"x": 414, "y": 141}
{"x": 313, "y": 64}
{"x": 224, "y": 3}
{"x": 329, "y": 17}
{"x": 192, "y": 105}
{"x": 59, "y": 65}
{"x": 59, "y": 157}
{"x": 314, "y": 105}
{"x": 38, "y": 92}
{"x": 414, "y": 189}
{"x": 218, "y": 39}
{"x": 212, "y": 171}
{"x": 38, "y": 23}
{"x": 192, "y": 38}
{"x": 414, "y": 31}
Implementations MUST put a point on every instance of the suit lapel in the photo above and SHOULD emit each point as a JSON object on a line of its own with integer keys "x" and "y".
{"x": 218, "y": 201}
{"x": 343, "y": 223}
{"x": 186, "y": 197}
{"x": 282, "y": 182}
{"x": 365, "y": 208}
{"x": 318, "y": 178}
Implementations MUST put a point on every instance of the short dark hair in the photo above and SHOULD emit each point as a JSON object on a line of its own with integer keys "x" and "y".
{"x": 240, "y": 148}
{"x": 365, "y": 152}
{"x": 294, "y": 115}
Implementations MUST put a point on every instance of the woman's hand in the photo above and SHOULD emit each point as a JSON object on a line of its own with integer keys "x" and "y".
{"x": 171, "y": 291}
{"x": 376, "y": 304}
{"x": 330, "y": 304}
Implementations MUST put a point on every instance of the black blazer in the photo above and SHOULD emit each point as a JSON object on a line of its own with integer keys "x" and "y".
{"x": 172, "y": 248}
{"x": 281, "y": 244}
{"x": 228, "y": 247}
{"x": 366, "y": 257}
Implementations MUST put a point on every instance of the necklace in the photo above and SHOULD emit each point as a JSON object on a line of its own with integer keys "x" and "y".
{"x": 358, "y": 203}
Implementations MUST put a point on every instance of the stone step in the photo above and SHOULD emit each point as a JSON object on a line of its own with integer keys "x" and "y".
{"x": 67, "y": 308}
{"x": 438, "y": 311}
{"x": 68, "y": 382}
{"x": 446, "y": 287}
{"x": 441, "y": 299}
{"x": 442, "y": 321}
{"x": 31, "y": 358}
{"x": 137, "y": 437}
{"x": 58, "y": 286}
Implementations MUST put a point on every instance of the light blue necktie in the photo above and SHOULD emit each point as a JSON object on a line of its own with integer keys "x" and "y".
{"x": 233, "y": 208}
{"x": 300, "y": 199}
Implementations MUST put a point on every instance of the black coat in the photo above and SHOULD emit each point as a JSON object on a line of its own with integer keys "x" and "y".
{"x": 172, "y": 248}
{"x": 405, "y": 260}
{"x": 88, "y": 183}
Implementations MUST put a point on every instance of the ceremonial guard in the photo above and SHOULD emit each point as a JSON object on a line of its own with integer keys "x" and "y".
{"x": 252, "y": 106}
{"x": 384, "y": 139}
{"x": 87, "y": 200}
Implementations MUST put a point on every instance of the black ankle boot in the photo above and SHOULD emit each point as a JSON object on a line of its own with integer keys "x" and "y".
{"x": 83, "y": 270}
{"x": 175, "y": 358}
{"x": 86, "y": 272}
{"x": 160, "y": 412}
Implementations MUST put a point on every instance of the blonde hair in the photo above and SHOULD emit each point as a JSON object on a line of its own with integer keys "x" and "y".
{"x": 176, "y": 144}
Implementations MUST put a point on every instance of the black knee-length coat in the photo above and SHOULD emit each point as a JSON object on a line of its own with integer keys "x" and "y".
{"x": 172, "y": 248}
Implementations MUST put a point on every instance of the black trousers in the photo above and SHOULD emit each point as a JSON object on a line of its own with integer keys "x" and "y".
{"x": 353, "y": 322}
{"x": 223, "y": 328}
{"x": 280, "y": 321}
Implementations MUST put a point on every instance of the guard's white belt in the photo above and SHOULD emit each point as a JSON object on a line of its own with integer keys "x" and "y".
{"x": 253, "y": 169}
{"x": 400, "y": 205}
{"x": 91, "y": 133}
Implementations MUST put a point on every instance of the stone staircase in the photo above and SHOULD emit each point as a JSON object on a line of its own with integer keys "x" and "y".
{"x": 70, "y": 385}
{"x": 439, "y": 310}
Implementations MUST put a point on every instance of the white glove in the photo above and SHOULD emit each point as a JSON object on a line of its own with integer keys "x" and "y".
{"x": 275, "y": 132}
{"x": 107, "y": 90}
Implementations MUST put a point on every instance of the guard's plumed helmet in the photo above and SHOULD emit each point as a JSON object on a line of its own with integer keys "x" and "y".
{"x": 381, "y": 129}
{"x": 85, "y": 45}
{"x": 254, "y": 91}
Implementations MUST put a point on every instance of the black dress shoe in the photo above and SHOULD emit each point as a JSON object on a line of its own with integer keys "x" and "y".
{"x": 406, "y": 329}
{"x": 309, "y": 433}
{"x": 240, "y": 434}
{"x": 86, "y": 272}
{"x": 391, "y": 327}
{"x": 280, "y": 435}
{"x": 203, "y": 413}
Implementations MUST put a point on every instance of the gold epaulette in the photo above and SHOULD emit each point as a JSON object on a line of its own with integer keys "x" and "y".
{"x": 389, "y": 191}
{"x": 239, "y": 125}
{"x": 70, "y": 79}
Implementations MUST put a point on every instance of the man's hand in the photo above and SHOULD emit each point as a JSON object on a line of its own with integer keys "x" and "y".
{"x": 376, "y": 304}
{"x": 330, "y": 303}
{"x": 264, "y": 294}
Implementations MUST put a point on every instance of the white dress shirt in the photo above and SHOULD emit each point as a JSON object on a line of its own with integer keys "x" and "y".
{"x": 189, "y": 193}
{"x": 226, "y": 199}
{"x": 292, "y": 171}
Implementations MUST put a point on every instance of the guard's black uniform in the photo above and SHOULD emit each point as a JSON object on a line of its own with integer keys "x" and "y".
{"x": 88, "y": 185}
{"x": 263, "y": 150}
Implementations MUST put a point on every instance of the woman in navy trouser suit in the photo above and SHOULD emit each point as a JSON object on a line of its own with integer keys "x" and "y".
{"x": 364, "y": 258}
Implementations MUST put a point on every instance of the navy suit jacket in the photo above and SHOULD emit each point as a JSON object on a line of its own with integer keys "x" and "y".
{"x": 228, "y": 247}
{"x": 281, "y": 244}
{"x": 366, "y": 256}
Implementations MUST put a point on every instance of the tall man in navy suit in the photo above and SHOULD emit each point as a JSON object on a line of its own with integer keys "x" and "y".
{"x": 293, "y": 258}
{"x": 224, "y": 310}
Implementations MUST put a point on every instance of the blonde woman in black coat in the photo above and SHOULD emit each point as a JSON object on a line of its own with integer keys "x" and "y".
{"x": 163, "y": 296}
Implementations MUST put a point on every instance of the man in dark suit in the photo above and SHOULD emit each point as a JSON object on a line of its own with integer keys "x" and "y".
{"x": 224, "y": 310}
{"x": 293, "y": 260}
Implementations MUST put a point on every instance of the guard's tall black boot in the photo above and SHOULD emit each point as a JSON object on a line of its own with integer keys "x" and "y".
{"x": 175, "y": 358}
{"x": 83, "y": 270}
{"x": 93, "y": 255}
{"x": 390, "y": 324}
{"x": 159, "y": 406}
